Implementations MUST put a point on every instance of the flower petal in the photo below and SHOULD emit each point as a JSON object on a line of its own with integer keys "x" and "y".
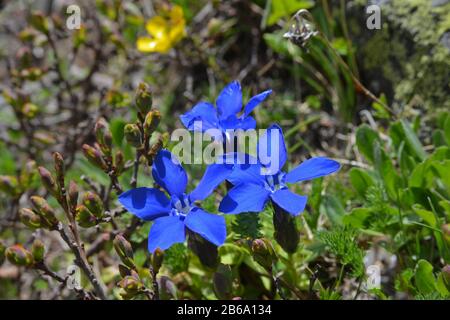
{"x": 157, "y": 27}
{"x": 146, "y": 203}
{"x": 245, "y": 197}
{"x": 202, "y": 112}
{"x": 146, "y": 44}
{"x": 168, "y": 173}
{"x": 165, "y": 232}
{"x": 272, "y": 150}
{"x": 312, "y": 168}
{"x": 246, "y": 169}
{"x": 229, "y": 100}
{"x": 255, "y": 101}
{"x": 210, "y": 226}
{"x": 214, "y": 175}
{"x": 246, "y": 123}
{"x": 289, "y": 201}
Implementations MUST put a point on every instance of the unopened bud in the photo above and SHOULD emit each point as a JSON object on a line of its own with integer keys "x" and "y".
{"x": 19, "y": 256}
{"x": 39, "y": 22}
{"x": 119, "y": 162}
{"x": 30, "y": 110}
{"x": 60, "y": 168}
{"x": 446, "y": 275}
{"x": 263, "y": 253}
{"x": 9, "y": 185}
{"x": 94, "y": 204}
{"x": 38, "y": 250}
{"x": 103, "y": 136}
{"x": 94, "y": 156}
{"x": 157, "y": 259}
{"x": 124, "y": 250}
{"x": 131, "y": 284}
{"x": 28, "y": 173}
{"x": 151, "y": 122}
{"x": 154, "y": 149}
{"x": 29, "y": 218}
{"x": 143, "y": 98}
{"x": 84, "y": 217}
{"x": 133, "y": 135}
{"x": 49, "y": 182}
{"x": 73, "y": 194}
{"x": 44, "y": 210}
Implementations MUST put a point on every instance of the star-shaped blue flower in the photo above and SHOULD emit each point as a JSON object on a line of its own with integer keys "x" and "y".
{"x": 172, "y": 216}
{"x": 225, "y": 117}
{"x": 252, "y": 189}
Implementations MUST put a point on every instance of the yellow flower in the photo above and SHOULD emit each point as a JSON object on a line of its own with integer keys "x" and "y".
{"x": 165, "y": 31}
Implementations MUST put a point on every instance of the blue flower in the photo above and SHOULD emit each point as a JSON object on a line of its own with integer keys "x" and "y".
{"x": 225, "y": 117}
{"x": 252, "y": 189}
{"x": 172, "y": 216}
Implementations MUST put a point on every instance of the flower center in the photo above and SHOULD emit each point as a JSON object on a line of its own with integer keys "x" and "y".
{"x": 181, "y": 206}
{"x": 275, "y": 182}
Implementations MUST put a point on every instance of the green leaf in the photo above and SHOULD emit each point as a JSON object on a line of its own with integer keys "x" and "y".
{"x": 286, "y": 8}
{"x": 360, "y": 180}
{"x": 402, "y": 131}
{"x": 117, "y": 126}
{"x": 365, "y": 139}
{"x": 424, "y": 277}
{"x": 333, "y": 209}
{"x": 426, "y": 215}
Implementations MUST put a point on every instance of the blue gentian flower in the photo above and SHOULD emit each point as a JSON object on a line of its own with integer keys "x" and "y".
{"x": 252, "y": 189}
{"x": 172, "y": 215}
{"x": 225, "y": 117}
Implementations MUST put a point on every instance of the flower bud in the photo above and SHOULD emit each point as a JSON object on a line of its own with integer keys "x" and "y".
{"x": 30, "y": 110}
{"x": 45, "y": 211}
{"x": 103, "y": 136}
{"x": 133, "y": 135}
{"x": 143, "y": 98}
{"x": 131, "y": 284}
{"x": 84, "y": 217}
{"x": 124, "y": 250}
{"x": 60, "y": 168}
{"x": 154, "y": 149}
{"x": 49, "y": 182}
{"x": 157, "y": 259}
{"x": 94, "y": 156}
{"x": 38, "y": 250}
{"x": 446, "y": 275}
{"x": 9, "y": 185}
{"x": 19, "y": 256}
{"x": 30, "y": 218}
{"x": 39, "y": 22}
{"x": 151, "y": 122}
{"x": 28, "y": 173}
{"x": 73, "y": 194}
{"x": 94, "y": 204}
{"x": 263, "y": 253}
{"x": 223, "y": 282}
{"x": 119, "y": 162}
